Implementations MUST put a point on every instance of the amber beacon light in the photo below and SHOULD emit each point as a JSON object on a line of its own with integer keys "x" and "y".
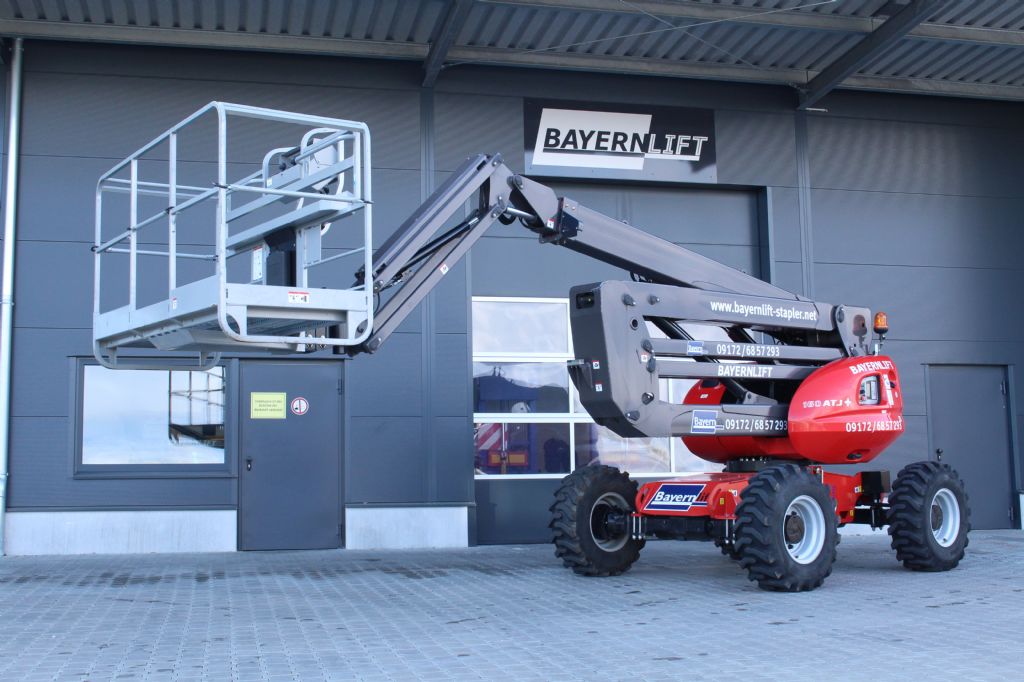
{"x": 881, "y": 324}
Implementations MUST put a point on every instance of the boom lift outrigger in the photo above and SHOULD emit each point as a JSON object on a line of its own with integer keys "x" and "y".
{"x": 784, "y": 385}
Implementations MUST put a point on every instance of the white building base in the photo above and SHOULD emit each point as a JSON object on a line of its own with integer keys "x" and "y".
{"x": 121, "y": 532}
{"x": 406, "y": 527}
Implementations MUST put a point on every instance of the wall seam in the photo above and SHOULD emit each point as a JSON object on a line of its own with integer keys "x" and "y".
{"x": 428, "y": 318}
{"x": 804, "y": 198}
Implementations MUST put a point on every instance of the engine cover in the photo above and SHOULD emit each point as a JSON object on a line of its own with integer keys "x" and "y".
{"x": 848, "y": 411}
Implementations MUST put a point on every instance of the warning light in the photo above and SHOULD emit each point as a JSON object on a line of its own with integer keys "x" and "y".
{"x": 881, "y": 324}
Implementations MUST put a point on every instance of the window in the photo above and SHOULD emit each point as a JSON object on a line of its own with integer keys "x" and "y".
{"x": 151, "y": 418}
{"x": 528, "y": 419}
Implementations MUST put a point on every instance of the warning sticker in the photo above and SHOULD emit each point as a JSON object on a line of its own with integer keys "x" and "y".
{"x": 267, "y": 405}
{"x": 298, "y": 297}
{"x": 299, "y": 406}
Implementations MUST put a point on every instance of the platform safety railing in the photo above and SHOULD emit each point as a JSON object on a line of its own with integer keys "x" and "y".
{"x": 323, "y": 179}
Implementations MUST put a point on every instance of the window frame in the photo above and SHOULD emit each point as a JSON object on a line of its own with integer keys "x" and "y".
{"x": 80, "y": 470}
{"x": 570, "y": 418}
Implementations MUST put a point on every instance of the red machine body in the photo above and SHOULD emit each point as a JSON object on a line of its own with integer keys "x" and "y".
{"x": 847, "y": 411}
{"x": 716, "y": 495}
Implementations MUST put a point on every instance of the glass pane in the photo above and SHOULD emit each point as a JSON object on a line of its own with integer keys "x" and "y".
{"x": 520, "y": 387}
{"x": 520, "y": 327}
{"x": 153, "y": 417}
{"x": 521, "y": 448}
{"x": 636, "y": 455}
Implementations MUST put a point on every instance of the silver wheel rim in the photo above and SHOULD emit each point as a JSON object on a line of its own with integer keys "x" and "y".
{"x": 803, "y": 529}
{"x": 944, "y": 512}
{"x": 604, "y": 504}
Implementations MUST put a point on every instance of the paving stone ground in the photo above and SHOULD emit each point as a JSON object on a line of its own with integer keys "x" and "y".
{"x": 684, "y": 612}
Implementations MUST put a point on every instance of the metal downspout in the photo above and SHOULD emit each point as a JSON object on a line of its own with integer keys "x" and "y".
{"x": 7, "y": 292}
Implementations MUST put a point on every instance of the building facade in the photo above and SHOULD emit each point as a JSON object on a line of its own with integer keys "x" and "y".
{"x": 459, "y": 429}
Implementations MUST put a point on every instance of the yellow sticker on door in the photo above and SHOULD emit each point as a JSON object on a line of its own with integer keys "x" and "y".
{"x": 268, "y": 405}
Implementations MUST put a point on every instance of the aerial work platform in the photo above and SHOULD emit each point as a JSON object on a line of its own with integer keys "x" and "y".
{"x": 222, "y": 249}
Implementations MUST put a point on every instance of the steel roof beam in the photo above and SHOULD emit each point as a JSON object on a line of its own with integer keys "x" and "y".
{"x": 680, "y": 69}
{"x": 137, "y": 35}
{"x": 790, "y": 18}
{"x": 453, "y": 22}
{"x": 218, "y": 40}
{"x": 867, "y": 49}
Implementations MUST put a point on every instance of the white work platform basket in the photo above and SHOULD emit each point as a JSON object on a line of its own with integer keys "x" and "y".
{"x": 211, "y": 237}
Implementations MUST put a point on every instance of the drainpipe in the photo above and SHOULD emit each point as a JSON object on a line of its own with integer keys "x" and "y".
{"x": 7, "y": 291}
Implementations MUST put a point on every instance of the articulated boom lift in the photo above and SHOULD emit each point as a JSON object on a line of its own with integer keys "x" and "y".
{"x": 784, "y": 385}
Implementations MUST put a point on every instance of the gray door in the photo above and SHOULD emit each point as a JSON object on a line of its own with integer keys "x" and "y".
{"x": 969, "y": 420}
{"x": 290, "y": 455}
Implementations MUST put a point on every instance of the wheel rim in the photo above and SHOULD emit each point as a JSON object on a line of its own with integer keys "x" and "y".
{"x": 803, "y": 530}
{"x": 945, "y": 517}
{"x": 607, "y": 503}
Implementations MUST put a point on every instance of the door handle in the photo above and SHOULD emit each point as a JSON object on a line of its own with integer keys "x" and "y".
{"x": 248, "y": 463}
{"x": 938, "y": 453}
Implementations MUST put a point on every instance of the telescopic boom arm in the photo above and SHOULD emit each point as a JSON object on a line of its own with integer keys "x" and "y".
{"x": 779, "y": 337}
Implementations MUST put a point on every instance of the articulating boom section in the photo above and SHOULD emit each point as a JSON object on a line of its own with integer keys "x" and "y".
{"x": 679, "y": 306}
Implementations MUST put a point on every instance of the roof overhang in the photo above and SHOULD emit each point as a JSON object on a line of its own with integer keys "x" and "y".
{"x": 960, "y": 48}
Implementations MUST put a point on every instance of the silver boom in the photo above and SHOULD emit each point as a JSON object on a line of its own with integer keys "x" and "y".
{"x": 783, "y": 336}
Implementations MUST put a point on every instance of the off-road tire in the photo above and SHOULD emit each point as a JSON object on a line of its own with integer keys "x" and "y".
{"x": 767, "y": 536}
{"x": 912, "y": 517}
{"x": 583, "y": 494}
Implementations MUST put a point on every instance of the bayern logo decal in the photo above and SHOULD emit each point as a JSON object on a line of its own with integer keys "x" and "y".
{"x": 676, "y": 497}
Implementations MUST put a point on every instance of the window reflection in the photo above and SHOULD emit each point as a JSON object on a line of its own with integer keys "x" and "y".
{"x": 520, "y": 327}
{"x": 133, "y": 417}
{"x": 636, "y": 455}
{"x": 520, "y": 387}
{"x": 507, "y": 448}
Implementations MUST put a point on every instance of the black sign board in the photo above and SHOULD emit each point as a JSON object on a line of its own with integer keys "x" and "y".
{"x": 619, "y": 141}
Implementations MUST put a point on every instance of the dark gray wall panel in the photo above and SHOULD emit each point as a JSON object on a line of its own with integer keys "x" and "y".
{"x": 451, "y": 301}
{"x": 478, "y": 124}
{"x": 917, "y": 229}
{"x": 521, "y": 267}
{"x": 786, "y": 223}
{"x": 789, "y": 276}
{"x": 755, "y": 149}
{"x": 607, "y": 198}
{"x": 453, "y": 468}
{"x": 925, "y": 109}
{"x": 41, "y": 303}
{"x": 388, "y": 383}
{"x": 384, "y": 461}
{"x": 470, "y": 79}
{"x": 510, "y": 511}
{"x": 743, "y": 258}
{"x": 72, "y": 217}
{"x": 41, "y": 218}
{"x": 930, "y": 303}
{"x": 912, "y": 356}
{"x": 124, "y": 113}
{"x": 694, "y": 216}
{"x": 451, "y": 379}
{"x": 888, "y": 156}
{"x": 41, "y": 460}
{"x": 42, "y": 374}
